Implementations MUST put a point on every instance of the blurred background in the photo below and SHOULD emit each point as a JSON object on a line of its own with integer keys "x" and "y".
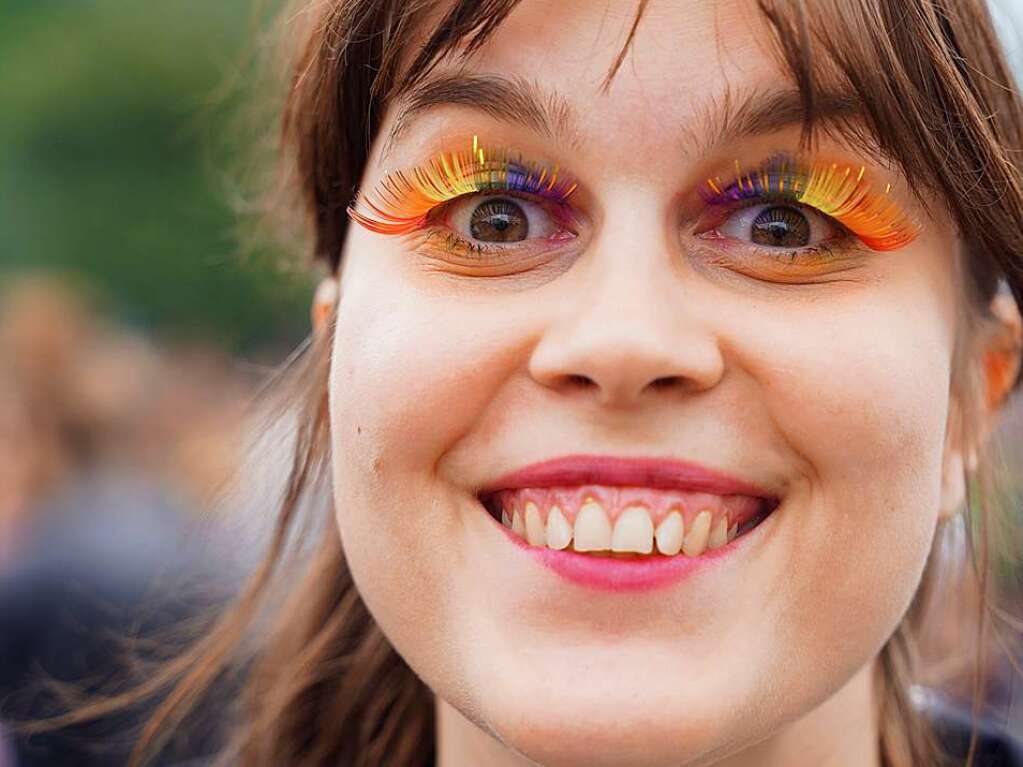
{"x": 137, "y": 321}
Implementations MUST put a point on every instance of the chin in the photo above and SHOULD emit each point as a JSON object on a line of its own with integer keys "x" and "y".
{"x": 565, "y": 741}
{"x": 591, "y": 723}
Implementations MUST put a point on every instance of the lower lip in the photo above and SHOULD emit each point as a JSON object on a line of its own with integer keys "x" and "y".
{"x": 639, "y": 574}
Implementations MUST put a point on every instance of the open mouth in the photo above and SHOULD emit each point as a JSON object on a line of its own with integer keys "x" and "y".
{"x": 626, "y": 522}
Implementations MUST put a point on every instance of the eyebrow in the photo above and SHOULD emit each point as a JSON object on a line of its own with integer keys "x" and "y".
{"x": 509, "y": 99}
{"x": 730, "y": 116}
{"x": 720, "y": 120}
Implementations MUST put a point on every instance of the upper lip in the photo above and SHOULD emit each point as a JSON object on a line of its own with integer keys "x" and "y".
{"x": 661, "y": 473}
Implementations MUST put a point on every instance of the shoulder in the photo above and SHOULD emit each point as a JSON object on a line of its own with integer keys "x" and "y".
{"x": 996, "y": 745}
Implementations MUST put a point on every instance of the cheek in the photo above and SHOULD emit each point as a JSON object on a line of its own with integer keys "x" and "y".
{"x": 861, "y": 400}
{"x": 865, "y": 395}
{"x": 411, "y": 374}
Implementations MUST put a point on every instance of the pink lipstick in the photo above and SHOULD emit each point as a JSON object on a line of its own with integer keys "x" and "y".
{"x": 581, "y": 469}
{"x": 630, "y": 515}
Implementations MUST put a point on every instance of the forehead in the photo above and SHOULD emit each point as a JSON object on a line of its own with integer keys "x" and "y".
{"x": 686, "y": 58}
{"x": 575, "y": 42}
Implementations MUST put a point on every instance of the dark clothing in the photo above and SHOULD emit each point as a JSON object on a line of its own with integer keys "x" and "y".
{"x": 996, "y": 747}
{"x": 111, "y": 561}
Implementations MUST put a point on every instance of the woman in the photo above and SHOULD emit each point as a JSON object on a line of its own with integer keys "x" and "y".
{"x": 646, "y": 384}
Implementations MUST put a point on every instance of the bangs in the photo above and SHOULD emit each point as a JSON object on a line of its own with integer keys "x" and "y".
{"x": 468, "y": 25}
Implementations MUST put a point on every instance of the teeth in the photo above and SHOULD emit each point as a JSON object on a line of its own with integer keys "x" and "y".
{"x": 535, "y": 533}
{"x": 696, "y": 539}
{"x": 518, "y": 527}
{"x": 559, "y": 532}
{"x": 633, "y": 531}
{"x": 592, "y": 528}
{"x": 669, "y": 534}
{"x": 719, "y": 535}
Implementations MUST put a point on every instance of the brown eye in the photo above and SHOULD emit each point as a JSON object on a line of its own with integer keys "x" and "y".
{"x": 503, "y": 222}
{"x": 498, "y": 220}
{"x": 781, "y": 226}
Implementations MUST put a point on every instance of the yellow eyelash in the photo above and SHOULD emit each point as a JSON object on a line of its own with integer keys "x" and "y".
{"x": 832, "y": 189}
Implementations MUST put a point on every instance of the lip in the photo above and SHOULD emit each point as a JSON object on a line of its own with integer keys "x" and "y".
{"x": 660, "y": 473}
{"x": 619, "y": 574}
{"x": 624, "y": 575}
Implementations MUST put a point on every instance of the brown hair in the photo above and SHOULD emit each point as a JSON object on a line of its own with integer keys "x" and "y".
{"x": 323, "y": 685}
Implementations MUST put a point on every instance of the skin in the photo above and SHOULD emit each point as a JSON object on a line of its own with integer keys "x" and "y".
{"x": 443, "y": 378}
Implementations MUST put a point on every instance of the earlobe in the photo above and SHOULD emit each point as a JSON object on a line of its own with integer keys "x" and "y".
{"x": 953, "y": 486}
{"x": 956, "y": 458}
{"x": 324, "y": 302}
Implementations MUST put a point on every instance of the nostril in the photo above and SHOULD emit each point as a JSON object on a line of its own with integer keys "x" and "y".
{"x": 665, "y": 382}
{"x": 576, "y": 379}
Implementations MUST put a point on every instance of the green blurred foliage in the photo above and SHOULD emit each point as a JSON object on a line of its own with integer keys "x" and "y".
{"x": 114, "y": 166}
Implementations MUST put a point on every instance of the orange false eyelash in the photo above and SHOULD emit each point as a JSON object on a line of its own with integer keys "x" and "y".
{"x": 402, "y": 202}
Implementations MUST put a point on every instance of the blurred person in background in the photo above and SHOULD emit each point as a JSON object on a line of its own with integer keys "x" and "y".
{"x": 579, "y": 257}
{"x": 108, "y": 450}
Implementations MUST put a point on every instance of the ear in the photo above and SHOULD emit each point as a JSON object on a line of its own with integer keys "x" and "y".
{"x": 1002, "y": 356}
{"x": 324, "y": 302}
{"x": 1001, "y": 364}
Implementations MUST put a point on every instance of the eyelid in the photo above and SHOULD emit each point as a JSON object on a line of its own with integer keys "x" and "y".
{"x": 839, "y": 190}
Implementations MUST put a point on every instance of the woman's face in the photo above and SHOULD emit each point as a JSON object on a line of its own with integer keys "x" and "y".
{"x": 636, "y": 319}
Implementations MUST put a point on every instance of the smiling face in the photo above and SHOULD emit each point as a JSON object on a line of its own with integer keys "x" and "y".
{"x": 668, "y": 298}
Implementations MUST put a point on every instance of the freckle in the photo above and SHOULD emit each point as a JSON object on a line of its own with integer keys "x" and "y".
{"x": 358, "y": 430}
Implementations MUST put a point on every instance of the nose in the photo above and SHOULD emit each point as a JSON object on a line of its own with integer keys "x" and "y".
{"x": 627, "y": 329}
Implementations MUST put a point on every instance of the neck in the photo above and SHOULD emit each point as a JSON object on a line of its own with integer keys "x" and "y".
{"x": 841, "y": 732}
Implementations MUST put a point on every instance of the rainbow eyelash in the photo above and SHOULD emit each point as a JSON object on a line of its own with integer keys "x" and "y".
{"x": 402, "y": 202}
{"x": 839, "y": 191}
